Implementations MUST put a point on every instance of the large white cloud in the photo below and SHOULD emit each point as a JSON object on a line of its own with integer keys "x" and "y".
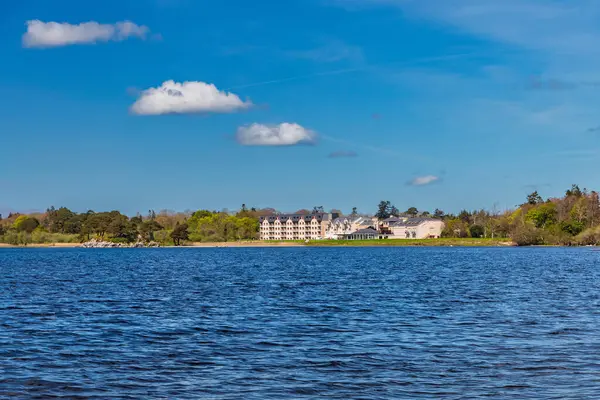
{"x": 187, "y": 98}
{"x": 55, "y": 34}
{"x": 285, "y": 134}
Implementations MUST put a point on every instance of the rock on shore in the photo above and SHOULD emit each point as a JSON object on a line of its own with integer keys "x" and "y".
{"x": 101, "y": 244}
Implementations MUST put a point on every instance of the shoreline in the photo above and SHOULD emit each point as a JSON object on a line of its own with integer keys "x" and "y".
{"x": 322, "y": 243}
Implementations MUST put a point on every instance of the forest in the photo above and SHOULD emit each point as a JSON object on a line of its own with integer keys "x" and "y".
{"x": 63, "y": 225}
{"x": 573, "y": 219}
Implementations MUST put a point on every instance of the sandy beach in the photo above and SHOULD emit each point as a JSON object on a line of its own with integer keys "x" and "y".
{"x": 196, "y": 244}
{"x": 42, "y": 245}
{"x": 324, "y": 243}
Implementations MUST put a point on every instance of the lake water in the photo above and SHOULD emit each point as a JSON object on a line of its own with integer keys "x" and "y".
{"x": 280, "y": 323}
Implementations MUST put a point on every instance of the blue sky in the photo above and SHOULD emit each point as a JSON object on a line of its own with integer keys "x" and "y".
{"x": 434, "y": 103}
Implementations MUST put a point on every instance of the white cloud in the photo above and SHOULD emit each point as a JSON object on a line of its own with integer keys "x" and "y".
{"x": 424, "y": 180}
{"x": 55, "y": 34}
{"x": 285, "y": 134}
{"x": 187, "y": 98}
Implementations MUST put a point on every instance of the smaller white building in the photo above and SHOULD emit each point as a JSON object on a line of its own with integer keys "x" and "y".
{"x": 341, "y": 227}
{"x": 416, "y": 228}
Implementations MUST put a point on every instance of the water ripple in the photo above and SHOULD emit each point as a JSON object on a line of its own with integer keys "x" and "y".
{"x": 371, "y": 323}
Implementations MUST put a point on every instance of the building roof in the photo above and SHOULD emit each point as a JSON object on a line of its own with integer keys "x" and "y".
{"x": 366, "y": 231}
{"x": 296, "y": 217}
{"x": 354, "y": 220}
{"x": 413, "y": 222}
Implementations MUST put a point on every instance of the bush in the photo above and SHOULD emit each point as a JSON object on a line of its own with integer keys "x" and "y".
{"x": 11, "y": 237}
{"x": 527, "y": 235}
{"x": 24, "y": 238}
{"x": 163, "y": 237}
{"x": 477, "y": 231}
{"x": 589, "y": 237}
{"x": 41, "y": 236}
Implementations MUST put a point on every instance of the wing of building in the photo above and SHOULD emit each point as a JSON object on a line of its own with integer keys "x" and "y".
{"x": 415, "y": 228}
{"x": 341, "y": 227}
{"x": 294, "y": 226}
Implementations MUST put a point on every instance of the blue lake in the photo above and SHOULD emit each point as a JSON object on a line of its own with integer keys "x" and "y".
{"x": 281, "y": 323}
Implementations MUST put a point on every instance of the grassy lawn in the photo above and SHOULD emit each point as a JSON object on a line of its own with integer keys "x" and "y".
{"x": 414, "y": 242}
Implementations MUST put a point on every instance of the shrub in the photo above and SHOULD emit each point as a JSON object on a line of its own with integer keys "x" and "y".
{"x": 11, "y": 237}
{"x": 163, "y": 237}
{"x": 41, "y": 236}
{"x": 527, "y": 235}
{"x": 477, "y": 231}
{"x": 589, "y": 237}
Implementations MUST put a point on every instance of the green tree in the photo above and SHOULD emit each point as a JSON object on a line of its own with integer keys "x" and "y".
{"x": 56, "y": 220}
{"x": 138, "y": 220}
{"x": 354, "y": 212}
{"x": 477, "y": 231}
{"x": 384, "y": 209}
{"x": 573, "y": 228}
{"x": 180, "y": 234}
{"x": 120, "y": 227}
{"x": 574, "y": 191}
{"x": 26, "y": 224}
{"x": 534, "y": 198}
{"x": 465, "y": 216}
{"x": 439, "y": 213}
{"x": 527, "y": 235}
{"x": 543, "y": 215}
{"x": 412, "y": 211}
{"x": 456, "y": 228}
{"x": 74, "y": 224}
{"x": 148, "y": 228}
{"x": 246, "y": 228}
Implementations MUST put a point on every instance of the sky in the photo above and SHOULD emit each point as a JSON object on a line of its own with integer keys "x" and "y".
{"x": 190, "y": 104}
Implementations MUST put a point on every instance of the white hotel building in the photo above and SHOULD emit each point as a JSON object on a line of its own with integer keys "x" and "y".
{"x": 294, "y": 226}
{"x": 325, "y": 226}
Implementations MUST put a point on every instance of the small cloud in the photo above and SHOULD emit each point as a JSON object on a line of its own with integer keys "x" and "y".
{"x": 376, "y": 116}
{"x": 54, "y": 34}
{"x": 343, "y": 154}
{"x": 285, "y": 134}
{"x": 424, "y": 180}
{"x": 187, "y": 98}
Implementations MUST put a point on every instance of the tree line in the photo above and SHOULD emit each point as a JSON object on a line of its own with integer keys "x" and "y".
{"x": 63, "y": 225}
{"x": 573, "y": 219}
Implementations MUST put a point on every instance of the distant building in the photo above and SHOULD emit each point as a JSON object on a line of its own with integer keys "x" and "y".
{"x": 414, "y": 228}
{"x": 343, "y": 226}
{"x": 362, "y": 234}
{"x": 294, "y": 226}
